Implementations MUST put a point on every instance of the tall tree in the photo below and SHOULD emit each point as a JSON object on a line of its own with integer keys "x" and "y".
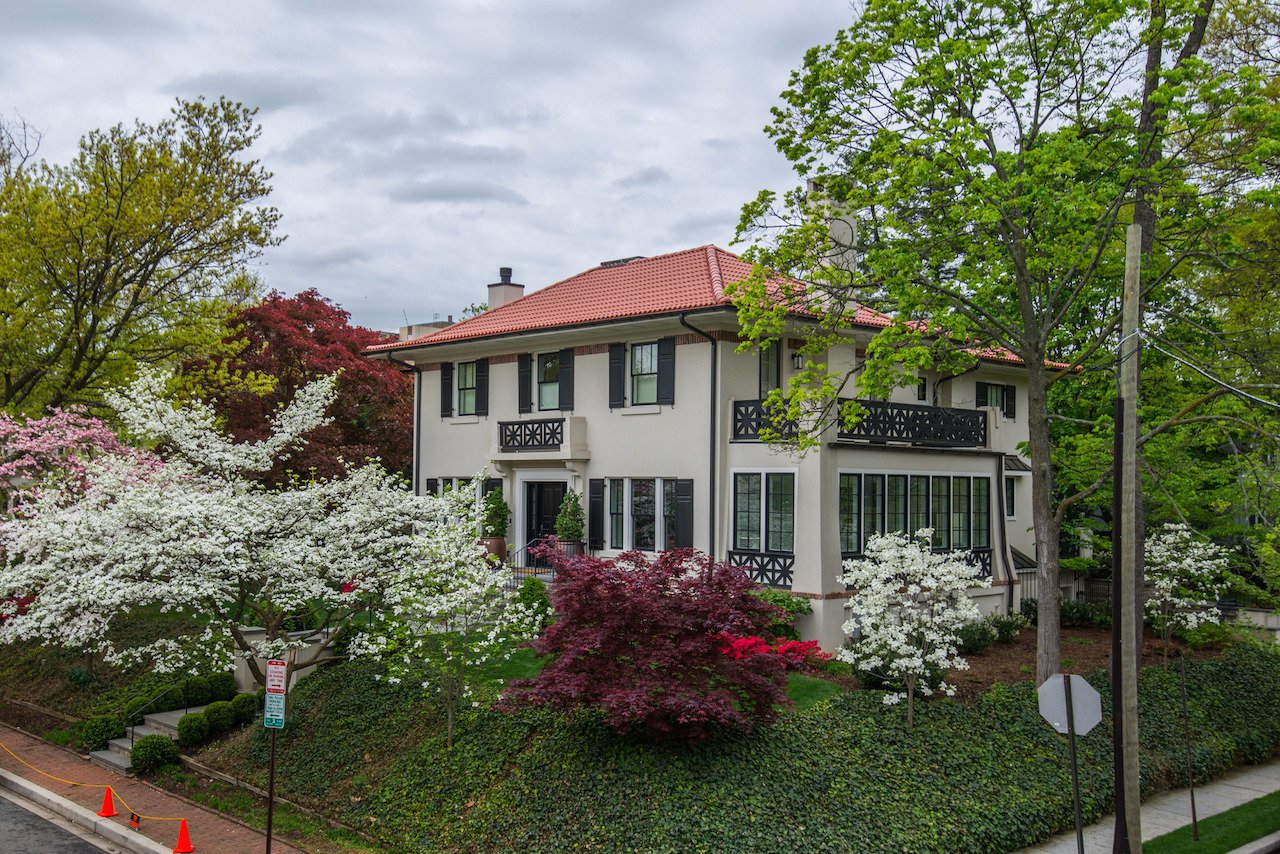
{"x": 127, "y": 255}
{"x": 987, "y": 156}
{"x": 293, "y": 341}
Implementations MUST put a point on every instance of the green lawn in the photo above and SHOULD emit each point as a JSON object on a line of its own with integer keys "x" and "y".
{"x": 806, "y": 691}
{"x": 1225, "y": 831}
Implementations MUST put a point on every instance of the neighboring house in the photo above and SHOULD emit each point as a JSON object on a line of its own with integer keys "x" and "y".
{"x": 623, "y": 383}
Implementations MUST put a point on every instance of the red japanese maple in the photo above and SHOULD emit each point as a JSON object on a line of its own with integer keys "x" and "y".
{"x": 640, "y": 637}
{"x": 297, "y": 339}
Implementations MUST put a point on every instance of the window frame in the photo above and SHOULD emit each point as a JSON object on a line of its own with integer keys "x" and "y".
{"x": 650, "y": 347}
{"x": 634, "y": 516}
{"x": 617, "y": 514}
{"x": 542, "y": 360}
{"x": 935, "y": 491}
{"x": 460, "y": 376}
{"x": 760, "y": 516}
{"x": 1010, "y": 497}
{"x": 771, "y": 360}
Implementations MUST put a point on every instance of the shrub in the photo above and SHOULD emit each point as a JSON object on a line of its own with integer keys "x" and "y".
{"x": 153, "y": 752}
{"x": 193, "y": 730}
{"x": 96, "y": 732}
{"x": 497, "y": 515}
{"x": 1208, "y": 634}
{"x": 196, "y": 690}
{"x": 794, "y": 654}
{"x": 133, "y": 712}
{"x": 1078, "y": 614}
{"x": 792, "y": 607}
{"x": 222, "y": 686}
{"x": 80, "y": 678}
{"x": 221, "y": 717}
{"x": 1029, "y": 608}
{"x": 638, "y": 638}
{"x": 569, "y": 521}
{"x": 1007, "y": 626}
{"x": 532, "y": 595}
{"x": 976, "y": 636}
{"x": 245, "y": 707}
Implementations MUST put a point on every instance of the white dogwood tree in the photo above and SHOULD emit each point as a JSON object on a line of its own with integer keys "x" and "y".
{"x": 198, "y": 537}
{"x": 908, "y": 605}
{"x": 1186, "y": 576}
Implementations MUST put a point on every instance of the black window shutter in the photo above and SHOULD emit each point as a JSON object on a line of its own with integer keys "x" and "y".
{"x": 595, "y": 514}
{"x": 446, "y": 389}
{"x": 617, "y": 376}
{"x": 981, "y": 395}
{"x": 1010, "y": 402}
{"x": 482, "y": 387}
{"x": 524, "y": 381}
{"x": 684, "y": 514}
{"x": 666, "y": 370}
{"x": 566, "y": 378}
{"x": 431, "y": 486}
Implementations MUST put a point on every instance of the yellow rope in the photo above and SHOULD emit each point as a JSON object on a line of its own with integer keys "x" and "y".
{"x": 90, "y": 786}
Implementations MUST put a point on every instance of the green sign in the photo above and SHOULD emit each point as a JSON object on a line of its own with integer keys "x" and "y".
{"x": 273, "y": 712}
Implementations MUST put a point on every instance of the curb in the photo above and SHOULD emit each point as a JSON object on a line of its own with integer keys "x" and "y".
{"x": 1265, "y": 845}
{"x": 81, "y": 816}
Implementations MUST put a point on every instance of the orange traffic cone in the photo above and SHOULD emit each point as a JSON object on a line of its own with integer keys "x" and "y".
{"x": 108, "y": 805}
{"x": 184, "y": 841}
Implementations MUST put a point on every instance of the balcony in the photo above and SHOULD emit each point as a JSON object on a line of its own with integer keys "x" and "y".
{"x": 541, "y": 438}
{"x": 909, "y": 423}
{"x": 918, "y": 424}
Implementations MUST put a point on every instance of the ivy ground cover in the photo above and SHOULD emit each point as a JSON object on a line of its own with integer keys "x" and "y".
{"x": 841, "y": 775}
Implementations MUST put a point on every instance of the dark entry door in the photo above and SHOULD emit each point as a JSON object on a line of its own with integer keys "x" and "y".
{"x": 542, "y": 505}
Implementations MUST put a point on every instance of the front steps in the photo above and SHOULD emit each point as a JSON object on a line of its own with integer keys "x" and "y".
{"x": 116, "y": 756}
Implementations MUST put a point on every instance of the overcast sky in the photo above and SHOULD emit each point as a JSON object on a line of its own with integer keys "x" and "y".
{"x": 418, "y": 145}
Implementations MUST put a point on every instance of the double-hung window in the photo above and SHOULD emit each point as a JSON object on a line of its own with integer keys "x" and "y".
{"x": 644, "y": 521}
{"x": 466, "y": 388}
{"x": 644, "y": 373}
{"x": 617, "y": 504}
{"x": 764, "y": 512}
{"x": 549, "y": 381}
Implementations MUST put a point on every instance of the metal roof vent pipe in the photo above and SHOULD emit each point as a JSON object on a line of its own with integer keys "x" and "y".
{"x": 504, "y": 291}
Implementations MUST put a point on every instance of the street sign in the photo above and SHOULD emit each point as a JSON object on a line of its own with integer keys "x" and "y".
{"x": 273, "y": 712}
{"x": 1086, "y": 704}
{"x": 276, "y": 670}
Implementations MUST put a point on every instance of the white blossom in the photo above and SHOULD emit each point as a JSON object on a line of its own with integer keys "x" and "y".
{"x": 1186, "y": 576}
{"x": 908, "y": 605}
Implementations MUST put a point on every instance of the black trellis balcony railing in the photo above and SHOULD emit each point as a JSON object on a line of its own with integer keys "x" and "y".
{"x": 919, "y": 424}
{"x": 772, "y": 570}
{"x": 542, "y": 434}
{"x": 750, "y": 418}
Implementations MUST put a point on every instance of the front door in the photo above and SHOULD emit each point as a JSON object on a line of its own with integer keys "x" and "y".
{"x": 541, "y": 506}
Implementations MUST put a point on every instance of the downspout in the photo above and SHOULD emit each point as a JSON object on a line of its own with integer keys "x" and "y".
{"x": 711, "y": 440}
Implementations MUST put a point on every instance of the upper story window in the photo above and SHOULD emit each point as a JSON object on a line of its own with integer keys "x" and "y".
{"x": 644, "y": 373}
{"x": 1010, "y": 502}
{"x": 770, "y": 369}
{"x": 922, "y": 389}
{"x": 1002, "y": 397}
{"x": 466, "y": 388}
{"x": 549, "y": 381}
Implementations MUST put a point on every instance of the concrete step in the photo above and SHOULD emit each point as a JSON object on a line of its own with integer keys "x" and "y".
{"x": 123, "y": 745}
{"x": 111, "y": 760}
{"x": 166, "y": 723}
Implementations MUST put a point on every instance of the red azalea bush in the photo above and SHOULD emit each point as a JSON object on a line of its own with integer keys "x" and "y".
{"x": 794, "y": 654}
{"x": 640, "y": 638}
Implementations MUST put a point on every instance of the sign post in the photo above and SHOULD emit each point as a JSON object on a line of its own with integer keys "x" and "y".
{"x": 273, "y": 719}
{"x": 1071, "y": 706}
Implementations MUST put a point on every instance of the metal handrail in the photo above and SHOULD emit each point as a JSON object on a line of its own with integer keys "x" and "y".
{"x": 185, "y": 706}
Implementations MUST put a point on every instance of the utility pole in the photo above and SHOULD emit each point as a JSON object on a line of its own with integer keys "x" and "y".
{"x": 1126, "y": 560}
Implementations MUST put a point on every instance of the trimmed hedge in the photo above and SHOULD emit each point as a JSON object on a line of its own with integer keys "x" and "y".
{"x": 153, "y": 752}
{"x": 221, "y": 717}
{"x": 96, "y": 732}
{"x": 843, "y": 775}
{"x": 222, "y": 686}
{"x": 196, "y": 690}
{"x": 245, "y": 707}
{"x": 193, "y": 730}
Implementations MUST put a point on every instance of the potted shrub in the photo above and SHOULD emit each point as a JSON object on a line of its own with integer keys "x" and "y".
{"x": 497, "y": 516}
{"x": 570, "y": 524}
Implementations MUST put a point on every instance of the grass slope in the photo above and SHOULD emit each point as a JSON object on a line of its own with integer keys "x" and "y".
{"x": 843, "y": 774}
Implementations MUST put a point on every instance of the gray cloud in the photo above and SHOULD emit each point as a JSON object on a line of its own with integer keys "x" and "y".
{"x": 272, "y": 90}
{"x": 646, "y": 177}
{"x": 450, "y": 190}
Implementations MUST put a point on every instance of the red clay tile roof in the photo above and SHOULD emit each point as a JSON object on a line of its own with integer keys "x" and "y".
{"x": 664, "y": 284}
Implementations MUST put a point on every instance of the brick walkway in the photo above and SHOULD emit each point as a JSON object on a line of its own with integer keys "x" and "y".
{"x": 211, "y": 833}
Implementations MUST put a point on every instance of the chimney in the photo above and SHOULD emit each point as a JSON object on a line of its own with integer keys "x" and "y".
{"x": 504, "y": 291}
{"x": 419, "y": 330}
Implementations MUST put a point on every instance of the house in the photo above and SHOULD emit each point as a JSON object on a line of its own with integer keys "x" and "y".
{"x": 623, "y": 383}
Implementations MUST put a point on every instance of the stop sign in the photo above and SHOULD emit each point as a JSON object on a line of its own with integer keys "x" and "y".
{"x": 1086, "y": 704}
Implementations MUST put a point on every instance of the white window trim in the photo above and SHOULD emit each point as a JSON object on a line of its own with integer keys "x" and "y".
{"x": 660, "y": 521}
{"x": 537, "y": 381}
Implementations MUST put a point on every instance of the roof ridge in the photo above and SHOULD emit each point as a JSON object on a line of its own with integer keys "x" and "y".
{"x": 717, "y": 276}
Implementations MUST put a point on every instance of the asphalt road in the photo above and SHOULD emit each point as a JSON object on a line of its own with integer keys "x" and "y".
{"x": 22, "y": 832}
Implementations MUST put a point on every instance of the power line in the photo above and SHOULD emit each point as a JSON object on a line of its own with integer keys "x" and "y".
{"x": 1270, "y": 404}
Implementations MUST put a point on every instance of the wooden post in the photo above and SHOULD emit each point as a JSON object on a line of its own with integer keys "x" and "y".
{"x": 1131, "y": 546}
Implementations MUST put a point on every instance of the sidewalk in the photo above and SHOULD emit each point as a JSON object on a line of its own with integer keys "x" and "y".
{"x": 211, "y": 833}
{"x": 1172, "y": 810}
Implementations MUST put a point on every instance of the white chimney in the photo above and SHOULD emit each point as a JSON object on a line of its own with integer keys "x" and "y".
{"x": 505, "y": 291}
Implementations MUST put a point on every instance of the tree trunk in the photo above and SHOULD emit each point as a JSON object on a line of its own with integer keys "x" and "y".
{"x": 1046, "y": 526}
{"x": 911, "y": 701}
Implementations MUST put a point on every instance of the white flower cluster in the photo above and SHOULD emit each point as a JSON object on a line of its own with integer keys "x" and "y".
{"x": 196, "y": 537}
{"x": 908, "y": 605}
{"x": 1186, "y": 577}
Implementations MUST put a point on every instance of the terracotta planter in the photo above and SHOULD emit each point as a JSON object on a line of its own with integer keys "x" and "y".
{"x": 496, "y": 546}
{"x": 571, "y": 549}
